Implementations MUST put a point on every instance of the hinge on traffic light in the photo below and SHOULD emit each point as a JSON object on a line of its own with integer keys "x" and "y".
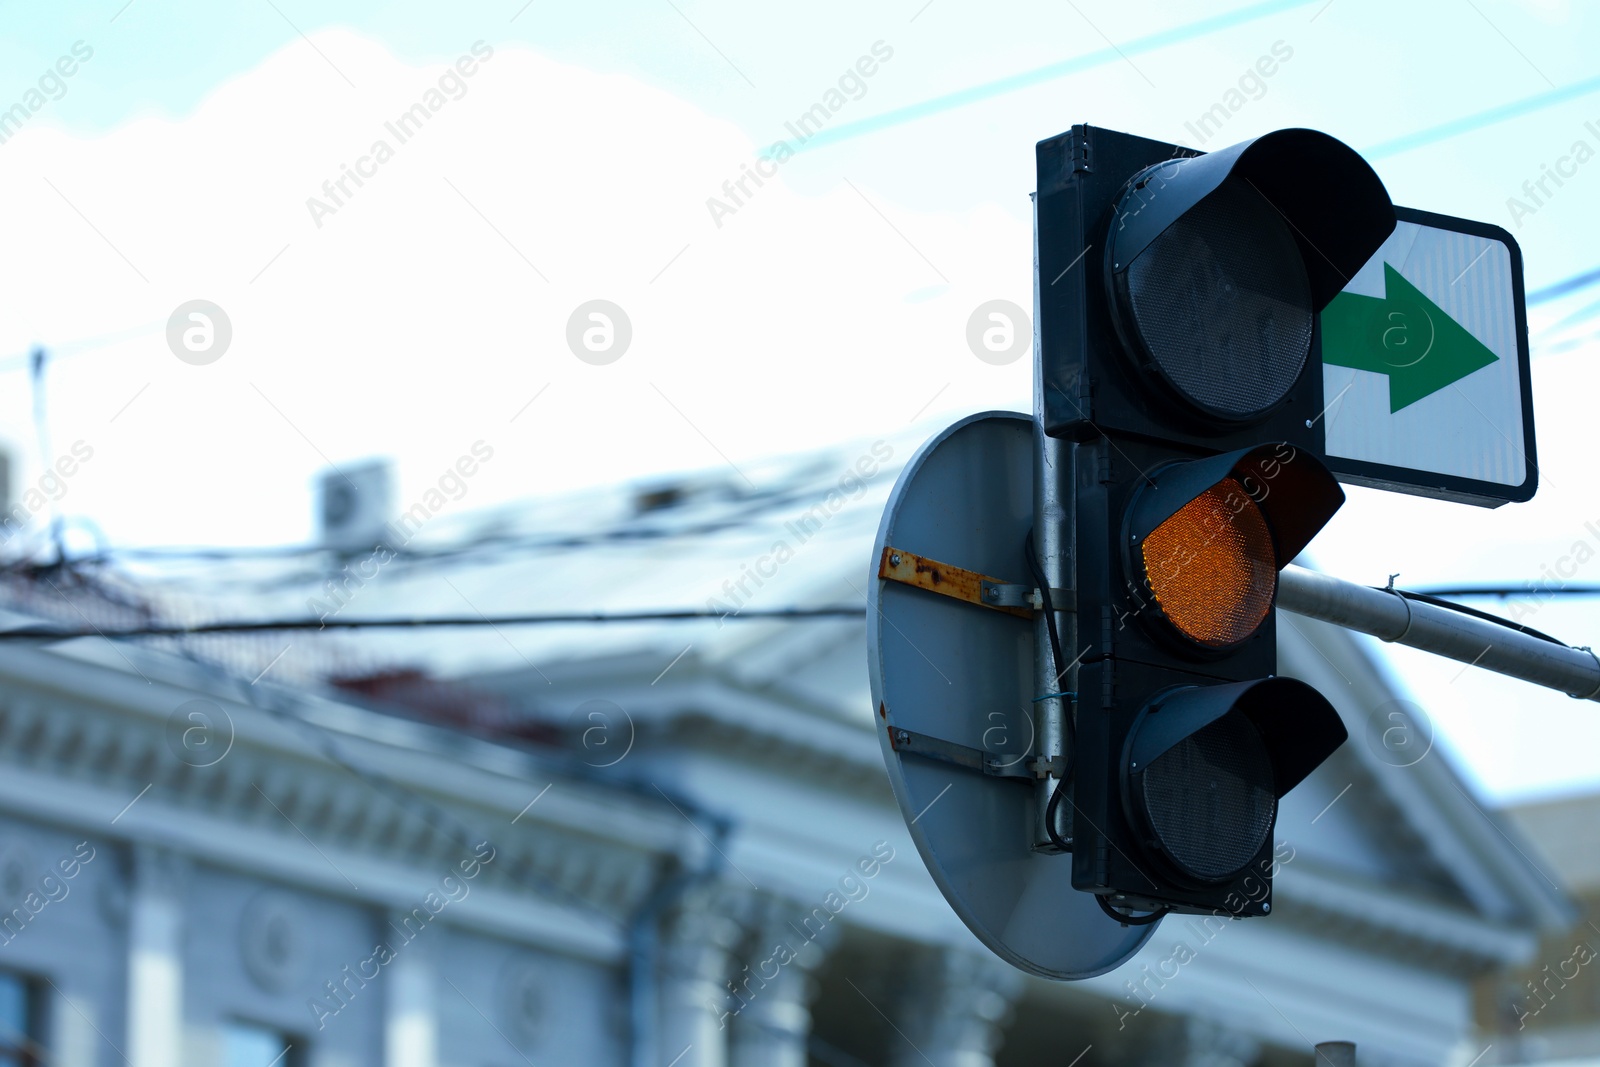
{"x": 1103, "y": 462}
{"x": 1080, "y": 151}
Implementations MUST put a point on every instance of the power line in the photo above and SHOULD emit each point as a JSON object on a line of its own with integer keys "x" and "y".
{"x": 53, "y": 633}
{"x": 21, "y": 360}
{"x": 1049, "y": 72}
{"x": 1570, "y": 285}
{"x": 1151, "y": 42}
{"x": 742, "y": 520}
{"x": 1511, "y": 590}
{"x": 1478, "y": 120}
{"x": 1575, "y": 284}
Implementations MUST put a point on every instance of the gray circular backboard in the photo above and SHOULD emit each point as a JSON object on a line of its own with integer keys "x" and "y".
{"x": 962, "y": 673}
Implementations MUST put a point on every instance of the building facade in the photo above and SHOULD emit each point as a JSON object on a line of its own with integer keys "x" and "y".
{"x": 653, "y": 844}
{"x": 1548, "y": 1010}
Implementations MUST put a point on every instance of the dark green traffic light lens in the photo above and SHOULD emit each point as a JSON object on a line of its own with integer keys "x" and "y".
{"x": 1210, "y": 800}
{"x": 1221, "y": 304}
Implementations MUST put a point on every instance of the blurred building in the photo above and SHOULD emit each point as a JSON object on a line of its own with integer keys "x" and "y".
{"x": 658, "y": 843}
{"x": 1548, "y": 1011}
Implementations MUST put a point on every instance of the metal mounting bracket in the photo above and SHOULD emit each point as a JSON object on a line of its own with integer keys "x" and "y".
{"x": 1023, "y": 601}
{"x": 909, "y": 742}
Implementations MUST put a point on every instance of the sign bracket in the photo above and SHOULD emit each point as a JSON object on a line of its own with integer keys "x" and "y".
{"x": 1017, "y": 766}
{"x": 946, "y": 579}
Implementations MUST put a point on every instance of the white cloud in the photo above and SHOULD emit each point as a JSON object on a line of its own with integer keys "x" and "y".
{"x": 407, "y": 324}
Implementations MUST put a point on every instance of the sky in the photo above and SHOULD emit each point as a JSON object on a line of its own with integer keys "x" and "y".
{"x": 583, "y": 153}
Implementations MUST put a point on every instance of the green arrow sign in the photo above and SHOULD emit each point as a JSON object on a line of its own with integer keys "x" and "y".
{"x": 1404, "y": 335}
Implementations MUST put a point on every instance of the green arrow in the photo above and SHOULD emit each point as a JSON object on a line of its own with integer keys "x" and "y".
{"x": 1404, "y": 335}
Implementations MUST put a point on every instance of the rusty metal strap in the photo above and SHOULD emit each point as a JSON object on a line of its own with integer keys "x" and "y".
{"x": 908, "y": 568}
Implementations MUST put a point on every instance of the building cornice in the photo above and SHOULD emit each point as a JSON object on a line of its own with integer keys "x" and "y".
{"x": 90, "y": 748}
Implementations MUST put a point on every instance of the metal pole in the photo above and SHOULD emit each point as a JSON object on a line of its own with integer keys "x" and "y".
{"x": 1336, "y": 1054}
{"x": 1454, "y": 634}
{"x": 1053, "y": 540}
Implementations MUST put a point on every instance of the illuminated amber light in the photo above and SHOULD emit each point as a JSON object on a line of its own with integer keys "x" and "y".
{"x": 1211, "y": 566}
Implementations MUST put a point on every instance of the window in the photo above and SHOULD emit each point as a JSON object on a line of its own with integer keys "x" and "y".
{"x": 19, "y": 1022}
{"x": 249, "y": 1045}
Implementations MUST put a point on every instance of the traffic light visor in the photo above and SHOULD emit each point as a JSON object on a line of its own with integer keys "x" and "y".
{"x": 1219, "y": 264}
{"x": 1207, "y": 765}
{"x": 1331, "y": 201}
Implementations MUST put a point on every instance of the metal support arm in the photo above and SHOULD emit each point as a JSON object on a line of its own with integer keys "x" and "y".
{"x": 1457, "y": 635}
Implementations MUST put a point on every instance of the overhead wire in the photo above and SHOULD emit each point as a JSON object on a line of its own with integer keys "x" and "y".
{"x": 1178, "y": 35}
{"x": 60, "y": 633}
{"x": 1479, "y": 119}
{"x": 65, "y": 349}
{"x": 1051, "y": 71}
{"x": 1577, "y": 282}
{"x": 1505, "y": 591}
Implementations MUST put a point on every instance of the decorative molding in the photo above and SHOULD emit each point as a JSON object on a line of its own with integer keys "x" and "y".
{"x": 112, "y": 897}
{"x": 524, "y": 1000}
{"x": 273, "y": 947}
{"x": 287, "y": 796}
{"x": 160, "y": 872}
{"x": 18, "y": 872}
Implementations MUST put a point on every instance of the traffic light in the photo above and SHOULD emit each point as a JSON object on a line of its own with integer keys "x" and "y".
{"x": 1179, "y": 340}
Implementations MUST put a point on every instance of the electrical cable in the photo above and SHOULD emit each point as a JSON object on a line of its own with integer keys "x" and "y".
{"x": 1504, "y": 591}
{"x": 1051, "y": 811}
{"x": 1576, "y": 283}
{"x": 1467, "y": 123}
{"x": 1011, "y": 83}
{"x": 1129, "y": 920}
{"x": 1053, "y": 807}
{"x": 757, "y": 506}
{"x": 60, "y": 350}
{"x": 1576, "y": 318}
{"x": 271, "y": 625}
{"x": 1424, "y": 598}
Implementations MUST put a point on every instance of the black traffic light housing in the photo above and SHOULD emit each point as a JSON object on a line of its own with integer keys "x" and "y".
{"x": 1178, "y": 298}
{"x": 1117, "y": 214}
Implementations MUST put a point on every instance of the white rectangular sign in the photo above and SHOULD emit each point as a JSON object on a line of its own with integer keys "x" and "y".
{"x": 1425, "y": 366}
